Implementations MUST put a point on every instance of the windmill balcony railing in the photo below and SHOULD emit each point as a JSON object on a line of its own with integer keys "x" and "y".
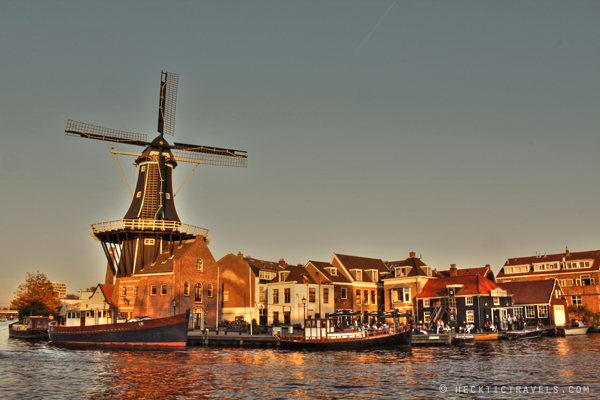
{"x": 148, "y": 225}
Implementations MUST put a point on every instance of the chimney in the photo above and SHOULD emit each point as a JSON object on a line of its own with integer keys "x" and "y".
{"x": 453, "y": 271}
{"x": 282, "y": 263}
{"x": 412, "y": 254}
{"x": 568, "y": 251}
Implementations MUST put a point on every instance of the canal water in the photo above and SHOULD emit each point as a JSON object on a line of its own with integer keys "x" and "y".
{"x": 554, "y": 368}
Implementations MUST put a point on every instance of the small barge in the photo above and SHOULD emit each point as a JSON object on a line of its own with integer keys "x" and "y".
{"x": 30, "y": 328}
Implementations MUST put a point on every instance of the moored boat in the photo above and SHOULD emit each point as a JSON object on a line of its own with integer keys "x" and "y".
{"x": 320, "y": 333}
{"x": 31, "y": 328}
{"x": 461, "y": 338}
{"x": 480, "y": 337}
{"x": 572, "y": 328}
{"x": 138, "y": 332}
{"x": 515, "y": 335}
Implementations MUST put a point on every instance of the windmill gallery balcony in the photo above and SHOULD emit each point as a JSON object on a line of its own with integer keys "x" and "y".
{"x": 106, "y": 229}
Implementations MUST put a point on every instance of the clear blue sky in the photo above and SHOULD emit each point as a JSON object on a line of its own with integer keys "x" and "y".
{"x": 466, "y": 131}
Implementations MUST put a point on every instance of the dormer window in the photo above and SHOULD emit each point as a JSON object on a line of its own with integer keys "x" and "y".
{"x": 401, "y": 271}
{"x": 283, "y": 276}
{"x": 357, "y": 274}
{"x": 333, "y": 271}
{"x": 374, "y": 274}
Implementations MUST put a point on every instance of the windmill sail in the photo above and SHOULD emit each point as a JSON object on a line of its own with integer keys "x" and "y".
{"x": 210, "y": 155}
{"x": 168, "y": 103}
{"x": 97, "y": 132}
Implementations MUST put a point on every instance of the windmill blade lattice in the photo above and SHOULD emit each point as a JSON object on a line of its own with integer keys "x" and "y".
{"x": 168, "y": 103}
{"x": 210, "y": 155}
{"x": 97, "y": 132}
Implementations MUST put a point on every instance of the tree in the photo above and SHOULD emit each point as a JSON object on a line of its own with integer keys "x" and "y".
{"x": 582, "y": 313}
{"x": 36, "y": 296}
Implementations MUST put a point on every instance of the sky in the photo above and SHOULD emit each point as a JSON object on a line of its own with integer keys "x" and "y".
{"x": 465, "y": 131}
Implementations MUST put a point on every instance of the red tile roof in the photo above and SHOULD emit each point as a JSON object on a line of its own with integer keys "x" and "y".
{"x": 530, "y": 292}
{"x": 471, "y": 285}
{"x": 107, "y": 290}
{"x": 551, "y": 258}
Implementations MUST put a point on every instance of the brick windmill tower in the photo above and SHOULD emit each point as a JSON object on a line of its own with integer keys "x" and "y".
{"x": 161, "y": 266}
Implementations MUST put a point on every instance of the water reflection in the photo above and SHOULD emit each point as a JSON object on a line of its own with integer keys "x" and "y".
{"x": 37, "y": 369}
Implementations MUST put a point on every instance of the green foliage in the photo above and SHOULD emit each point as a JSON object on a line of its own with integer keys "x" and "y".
{"x": 583, "y": 313}
{"x": 36, "y": 296}
{"x": 254, "y": 325}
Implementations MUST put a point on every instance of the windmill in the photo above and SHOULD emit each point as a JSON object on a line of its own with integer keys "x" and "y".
{"x": 151, "y": 227}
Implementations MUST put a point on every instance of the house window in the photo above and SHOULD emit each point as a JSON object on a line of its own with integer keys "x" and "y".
{"x": 358, "y": 293}
{"x": 469, "y": 300}
{"x": 186, "y": 289}
{"x": 286, "y": 317}
{"x": 311, "y": 295}
{"x": 209, "y": 290}
{"x": 344, "y": 293}
{"x": 407, "y": 297}
{"x": 148, "y": 242}
{"x": 529, "y": 311}
{"x": 225, "y": 296}
{"x": 517, "y": 312}
{"x": 373, "y": 297}
{"x": 496, "y": 301}
{"x": 135, "y": 289}
{"x": 163, "y": 289}
{"x": 586, "y": 280}
{"x": 470, "y": 317}
{"x": 153, "y": 290}
{"x": 287, "y": 295}
{"x": 366, "y": 297}
{"x": 199, "y": 265}
{"x": 275, "y": 296}
{"x": 198, "y": 293}
{"x": 426, "y": 303}
{"x": 576, "y": 301}
{"x": 261, "y": 294}
{"x": 542, "y": 311}
{"x": 426, "y": 317}
{"x": 123, "y": 291}
{"x": 275, "y": 318}
{"x": 326, "y": 295}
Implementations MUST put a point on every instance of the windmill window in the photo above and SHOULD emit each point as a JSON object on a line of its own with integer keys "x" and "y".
{"x": 138, "y": 194}
{"x": 153, "y": 290}
{"x": 123, "y": 291}
{"x": 168, "y": 196}
{"x": 149, "y": 242}
{"x": 199, "y": 265}
{"x": 143, "y": 169}
{"x": 186, "y": 289}
{"x": 163, "y": 289}
{"x": 209, "y": 291}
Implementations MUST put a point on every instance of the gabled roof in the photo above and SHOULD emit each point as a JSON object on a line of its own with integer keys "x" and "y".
{"x": 324, "y": 268}
{"x": 483, "y": 271}
{"x": 164, "y": 262}
{"x": 361, "y": 263}
{"x": 107, "y": 290}
{"x": 552, "y": 258}
{"x": 262, "y": 264}
{"x": 471, "y": 285}
{"x": 297, "y": 273}
{"x": 415, "y": 263}
{"x": 531, "y": 292}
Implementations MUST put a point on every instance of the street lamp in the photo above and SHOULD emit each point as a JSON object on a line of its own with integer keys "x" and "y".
{"x": 304, "y": 306}
{"x": 174, "y": 305}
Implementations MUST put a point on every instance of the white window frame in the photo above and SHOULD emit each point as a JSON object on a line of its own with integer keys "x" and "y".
{"x": 426, "y": 317}
{"x": 530, "y": 312}
{"x": 426, "y": 303}
{"x": 469, "y": 301}
{"x": 542, "y": 311}
{"x": 470, "y": 316}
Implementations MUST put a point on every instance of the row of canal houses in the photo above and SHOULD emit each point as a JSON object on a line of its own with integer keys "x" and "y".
{"x": 275, "y": 293}
{"x": 538, "y": 288}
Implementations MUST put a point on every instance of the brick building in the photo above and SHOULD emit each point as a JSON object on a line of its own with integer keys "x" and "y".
{"x": 578, "y": 274}
{"x": 244, "y": 284}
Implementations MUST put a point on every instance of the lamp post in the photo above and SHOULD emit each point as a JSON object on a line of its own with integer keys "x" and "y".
{"x": 304, "y": 306}
{"x": 174, "y": 305}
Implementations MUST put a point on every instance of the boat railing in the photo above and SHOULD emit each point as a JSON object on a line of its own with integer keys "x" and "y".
{"x": 347, "y": 336}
